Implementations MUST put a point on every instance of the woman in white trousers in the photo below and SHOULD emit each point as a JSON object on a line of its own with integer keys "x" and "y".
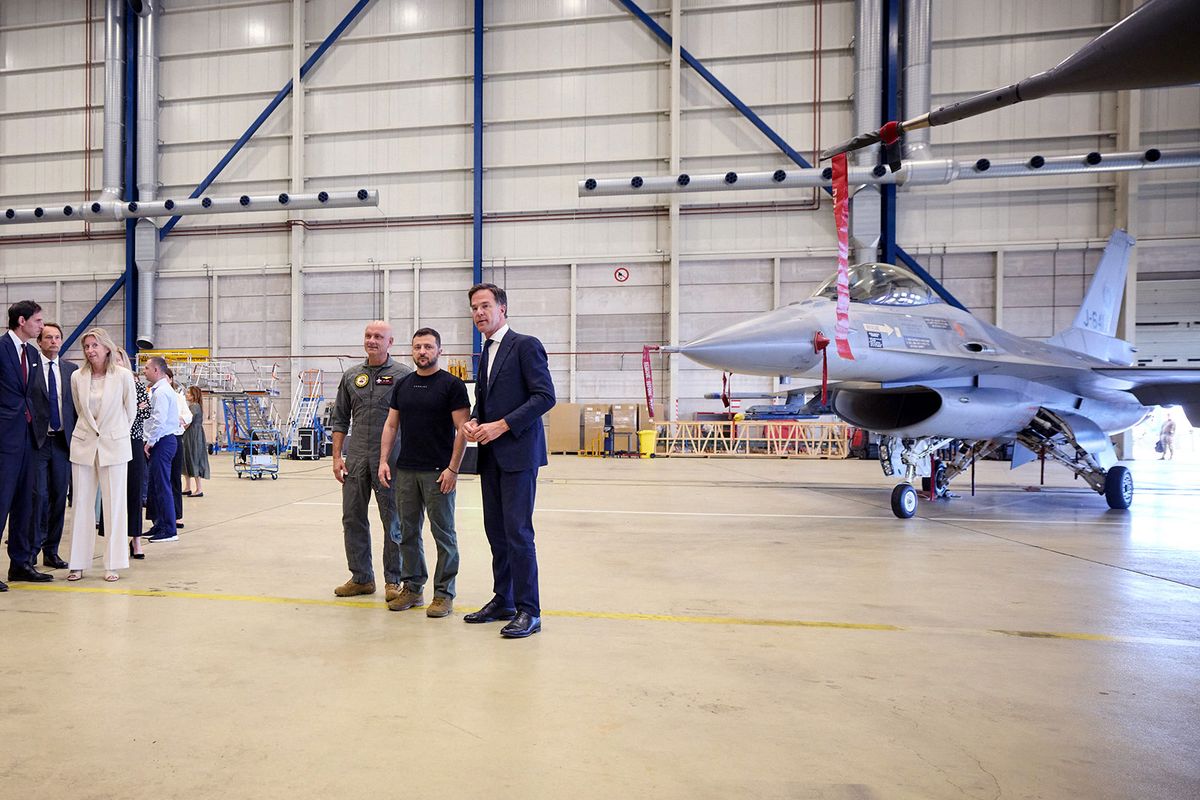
{"x": 106, "y": 403}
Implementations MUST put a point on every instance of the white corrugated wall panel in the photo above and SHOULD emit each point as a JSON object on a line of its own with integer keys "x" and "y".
{"x": 575, "y": 89}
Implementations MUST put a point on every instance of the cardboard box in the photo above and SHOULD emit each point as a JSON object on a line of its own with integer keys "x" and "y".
{"x": 644, "y": 421}
{"x": 625, "y": 418}
{"x": 593, "y": 423}
{"x": 563, "y": 430}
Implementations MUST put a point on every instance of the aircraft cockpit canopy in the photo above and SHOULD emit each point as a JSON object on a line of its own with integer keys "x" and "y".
{"x": 882, "y": 285}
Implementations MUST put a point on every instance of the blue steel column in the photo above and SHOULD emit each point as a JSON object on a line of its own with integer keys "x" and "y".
{"x": 131, "y": 191}
{"x": 477, "y": 206}
{"x": 891, "y": 88}
{"x": 889, "y": 251}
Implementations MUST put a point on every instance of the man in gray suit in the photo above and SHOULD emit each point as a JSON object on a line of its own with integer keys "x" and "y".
{"x": 52, "y": 461}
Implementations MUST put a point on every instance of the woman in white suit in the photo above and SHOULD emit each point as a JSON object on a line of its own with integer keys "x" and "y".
{"x": 106, "y": 402}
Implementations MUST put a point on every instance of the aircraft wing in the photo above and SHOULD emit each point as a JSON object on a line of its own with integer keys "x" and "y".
{"x": 1162, "y": 386}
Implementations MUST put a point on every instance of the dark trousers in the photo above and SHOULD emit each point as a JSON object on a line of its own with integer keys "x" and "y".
{"x": 360, "y": 483}
{"x": 133, "y": 486}
{"x": 51, "y": 484}
{"x": 16, "y": 499}
{"x": 160, "y": 505}
{"x": 508, "y": 521}
{"x": 177, "y": 477}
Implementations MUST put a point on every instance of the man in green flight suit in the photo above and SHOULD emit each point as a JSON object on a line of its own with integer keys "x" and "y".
{"x": 362, "y": 405}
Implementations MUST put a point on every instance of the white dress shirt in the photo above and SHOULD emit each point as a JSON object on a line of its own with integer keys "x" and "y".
{"x": 52, "y": 364}
{"x": 164, "y": 412}
{"x": 493, "y": 349}
{"x": 16, "y": 340}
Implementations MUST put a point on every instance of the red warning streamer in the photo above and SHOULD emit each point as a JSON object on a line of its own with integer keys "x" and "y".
{"x": 648, "y": 377}
{"x": 841, "y": 216}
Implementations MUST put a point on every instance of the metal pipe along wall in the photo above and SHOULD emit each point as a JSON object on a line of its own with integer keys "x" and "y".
{"x": 114, "y": 61}
{"x": 146, "y": 232}
{"x": 202, "y": 205}
{"x": 916, "y": 173}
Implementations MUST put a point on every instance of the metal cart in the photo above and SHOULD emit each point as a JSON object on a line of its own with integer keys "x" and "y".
{"x": 259, "y": 455}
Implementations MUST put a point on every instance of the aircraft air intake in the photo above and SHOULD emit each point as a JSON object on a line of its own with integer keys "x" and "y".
{"x": 914, "y": 411}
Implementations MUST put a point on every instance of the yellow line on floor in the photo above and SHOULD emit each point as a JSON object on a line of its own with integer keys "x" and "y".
{"x": 1088, "y": 637}
{"x": 244, "y": 598}
{"x": 378, "y": 605}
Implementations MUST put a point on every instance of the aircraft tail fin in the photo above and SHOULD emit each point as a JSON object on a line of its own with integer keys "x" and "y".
{"x": 1095, "y": 327}
{"x": 1102, "y": 303}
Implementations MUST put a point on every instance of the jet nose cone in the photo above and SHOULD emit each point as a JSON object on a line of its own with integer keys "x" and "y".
{"x": 775, "y": 343}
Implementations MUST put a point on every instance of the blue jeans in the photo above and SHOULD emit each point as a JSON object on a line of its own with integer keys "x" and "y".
{"x": 418, "y": 492}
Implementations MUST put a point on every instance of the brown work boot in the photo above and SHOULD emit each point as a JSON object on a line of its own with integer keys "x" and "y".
{"x": 407, "y": 599}
{"x": 440, "y": 607}
{"x": 391, "y": 591}
{"x": 350, "y": 588}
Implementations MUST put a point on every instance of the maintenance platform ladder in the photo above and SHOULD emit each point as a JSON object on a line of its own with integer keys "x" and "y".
{"x": 306, "y": 406}
{"x": 245, "y": 413}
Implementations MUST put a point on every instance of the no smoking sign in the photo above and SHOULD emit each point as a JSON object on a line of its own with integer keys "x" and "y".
{"x": 621, "y": 274}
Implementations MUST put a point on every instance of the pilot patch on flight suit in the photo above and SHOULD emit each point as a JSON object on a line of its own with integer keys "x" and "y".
{"x": 384, "y": 380}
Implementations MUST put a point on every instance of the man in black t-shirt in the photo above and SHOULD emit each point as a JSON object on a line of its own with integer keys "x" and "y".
{"x": 429, "y": 408}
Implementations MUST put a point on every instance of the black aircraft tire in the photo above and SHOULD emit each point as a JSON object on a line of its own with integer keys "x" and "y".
{"x": 941, "y": 485}
{"x": 1118, "y": 488}
{"x": 904, "y": 500}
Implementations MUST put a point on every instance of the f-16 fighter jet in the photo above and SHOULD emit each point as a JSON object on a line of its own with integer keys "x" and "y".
{"x": 930, "y": 377}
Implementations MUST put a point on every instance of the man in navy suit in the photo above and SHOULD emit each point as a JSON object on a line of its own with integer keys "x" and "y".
{"x": 20, "y": 374}
{"x": 52, "y": 461}
{"x": 513, "y": 390}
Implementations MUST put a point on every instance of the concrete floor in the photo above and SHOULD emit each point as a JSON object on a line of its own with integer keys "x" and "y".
{"x": 714, "y": 628}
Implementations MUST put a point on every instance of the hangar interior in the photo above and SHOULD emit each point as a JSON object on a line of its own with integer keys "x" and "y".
{"x": 796, "y": 642}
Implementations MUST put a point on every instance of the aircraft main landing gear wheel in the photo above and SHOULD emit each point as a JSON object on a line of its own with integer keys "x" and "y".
{"x": 938, "y": 481}
{"x": 1118, "y": 488}
{"x": 904, "y": 501}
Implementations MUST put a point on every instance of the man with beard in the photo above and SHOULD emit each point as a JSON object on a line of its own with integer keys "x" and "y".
{"x": 429, "y": 407}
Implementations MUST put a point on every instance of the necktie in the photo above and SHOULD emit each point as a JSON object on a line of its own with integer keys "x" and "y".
{"x": 484, "y": 363}
{"x": 25, "y": 377}
{"x": 55, "y": 416}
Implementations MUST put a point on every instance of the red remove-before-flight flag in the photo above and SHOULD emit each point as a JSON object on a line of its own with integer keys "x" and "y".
{"x": 841, "y": 217}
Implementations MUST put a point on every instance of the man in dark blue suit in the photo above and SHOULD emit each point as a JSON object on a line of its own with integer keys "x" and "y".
{"x": 52, "y": 461}
{"x": 20, "y": 374}
{"x": 513, "y": 390}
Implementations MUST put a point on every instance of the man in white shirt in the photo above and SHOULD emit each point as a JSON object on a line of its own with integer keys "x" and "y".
{"x": 52, "y": 461}
{"x": 161, "y": 445}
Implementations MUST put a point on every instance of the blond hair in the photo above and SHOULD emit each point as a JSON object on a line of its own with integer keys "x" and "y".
{"x": 104, "y": 340}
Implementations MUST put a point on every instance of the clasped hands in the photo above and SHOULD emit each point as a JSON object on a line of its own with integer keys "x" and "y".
{"x": 485, "y": 432}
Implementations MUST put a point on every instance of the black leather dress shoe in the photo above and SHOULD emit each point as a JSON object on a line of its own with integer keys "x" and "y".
{"x": 3, "y": 586}
{"x": 524, "y": 624}
{"x": 24, "y": 572}
{"x": 53, "y": 561}
{"x": 492, "y": 611}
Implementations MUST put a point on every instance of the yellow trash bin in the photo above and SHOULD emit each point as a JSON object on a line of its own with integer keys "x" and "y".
{"x": 647, "y": 441}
